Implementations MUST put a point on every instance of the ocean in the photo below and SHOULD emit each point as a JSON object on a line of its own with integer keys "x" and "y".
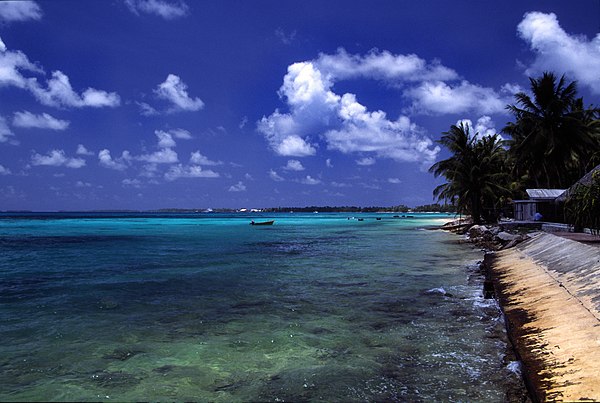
{"x": 205, "y": 307}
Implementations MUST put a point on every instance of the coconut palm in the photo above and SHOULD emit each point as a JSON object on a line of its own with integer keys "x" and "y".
{"x": 553, "y": 136}
{"x": 474, "y": 173}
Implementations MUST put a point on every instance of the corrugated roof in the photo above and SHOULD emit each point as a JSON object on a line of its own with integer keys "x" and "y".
{"x": 544, "y": 193}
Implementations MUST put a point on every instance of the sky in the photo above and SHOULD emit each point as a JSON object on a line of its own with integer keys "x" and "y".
{"x": 147, "y": 104}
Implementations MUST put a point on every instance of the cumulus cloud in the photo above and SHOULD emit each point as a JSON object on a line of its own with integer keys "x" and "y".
{"x": 441, "y": 98}
{"x": 364, "y": 131}
{"x": 238, "y": 187}
{"x": 395, "y": 181}
{"x": 119, "y": 164}
{"x": 198, "y": 159}
{"x": 275, "y": 176}
{"x": 134, "y": 183}
{"x": 383, "y": 65}
{"x": 27, "y": 119}
{"x": 181, "y": 134}
{"x": 559, "y": 51}
{"x": 365, "y": 162}
{"x": 57, "y": 158}
{"x": 309, "y": 180}
{"x": 317, "y": 113}
{"x": 294, "y": 165}
{"x": 11, "y": 11}
{"x": 12, "y": 66}
{"x": 191, "y": 171}
{"x": 165, "y": 140}
{"x": 81, "y": 150}
{"x": 162, "y": 156}
{"x": 169, "y": 10}
{"x": 483, "y": 127}
{"x": 57, "y": 92}
{"x": 175, "y": 91}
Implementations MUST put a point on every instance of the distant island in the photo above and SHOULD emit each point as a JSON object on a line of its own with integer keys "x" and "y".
{"x": 435, "y": 208}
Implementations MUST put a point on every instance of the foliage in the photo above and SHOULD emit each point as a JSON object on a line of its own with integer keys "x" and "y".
{"x": 476, "y": 179}
{"x": 554, "y": 137}
{"x": 582, "y": 207}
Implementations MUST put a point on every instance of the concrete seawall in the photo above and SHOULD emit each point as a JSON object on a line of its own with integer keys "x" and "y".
{"x": 549, "y": 289}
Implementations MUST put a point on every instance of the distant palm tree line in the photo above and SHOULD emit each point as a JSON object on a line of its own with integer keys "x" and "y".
{"x": 554, "y": 140}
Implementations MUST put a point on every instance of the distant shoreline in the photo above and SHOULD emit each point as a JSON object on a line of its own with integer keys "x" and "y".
{"x": 309, "y": 209}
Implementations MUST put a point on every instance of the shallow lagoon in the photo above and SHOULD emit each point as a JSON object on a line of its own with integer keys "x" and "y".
{"x": 207, "y": 307}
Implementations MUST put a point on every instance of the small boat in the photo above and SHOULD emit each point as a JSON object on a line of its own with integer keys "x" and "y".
{"x": 262, "y": 222}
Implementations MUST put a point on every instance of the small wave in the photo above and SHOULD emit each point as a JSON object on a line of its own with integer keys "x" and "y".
{"x": 514, "y": 367}
{"x": 438, "y": 290}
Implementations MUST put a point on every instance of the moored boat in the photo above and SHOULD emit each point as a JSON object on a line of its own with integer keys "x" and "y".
{"x": 262, "y": 222}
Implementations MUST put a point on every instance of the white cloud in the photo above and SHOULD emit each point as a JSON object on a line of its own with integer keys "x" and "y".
{"x": 558, "y": 51}
{"x": 4, "y": 171}
{"x": 81, "y": 150}
{"x": 57, "y": 158}
{"x": 19, "y": 11}
{"x": 394, "y": 180}
{"x": 106, "y": 160}
{"x": 364, "y": 131}
{"x": 309, "y": 180}
{"x": 27, "y": 119}
{"x": 5, "y": 132}
{"x": 294, "y": 165}
{"x": 484, "y": 126}
{"x": 165, "y": 140}
{"x": 134, "y": 183}
{"x": 81, "y": 184}
{"x": 328, "y": 163}
{"x": 60, "y": 93}
{"x": 168, "y": 10}
{"x": 275, "y": 176}
{"x": 344, "y": 124}
{"x": 162, "y": 156}
{"x": 181, "y": 134}
{"x": 365, "y": 162}
{"x": 146, "y": 109}
{"x": 383, "y": 65}
{"x": 441, "y": 98}
{"x": 175, "y": 91}
{"x": 192, "y": 171}
{"x": 12, "y": 64}
{"x": 238, "y": 187}
{"x": 197, "y": 158}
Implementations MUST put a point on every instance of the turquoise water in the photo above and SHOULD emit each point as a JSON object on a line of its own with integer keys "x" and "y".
{"x": 206, "y": 307}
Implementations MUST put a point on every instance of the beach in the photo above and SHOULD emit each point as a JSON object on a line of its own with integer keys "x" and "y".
{"x": 207, "y": 307}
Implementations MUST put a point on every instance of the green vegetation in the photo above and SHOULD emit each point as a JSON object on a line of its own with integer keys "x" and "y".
{"x": 475, "y": 173}
{"x": 582, "y": 207}
{"x": 554, "y": 140}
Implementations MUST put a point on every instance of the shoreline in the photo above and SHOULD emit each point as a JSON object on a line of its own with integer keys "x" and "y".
{"x": 548, "y": 290}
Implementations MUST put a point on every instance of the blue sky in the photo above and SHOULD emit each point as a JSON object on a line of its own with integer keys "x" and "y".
{"x": 143, "y": 104}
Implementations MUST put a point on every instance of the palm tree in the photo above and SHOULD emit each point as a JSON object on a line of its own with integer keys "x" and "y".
{"x": 553, "y": 137}
{"x": 474, "y": 173}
